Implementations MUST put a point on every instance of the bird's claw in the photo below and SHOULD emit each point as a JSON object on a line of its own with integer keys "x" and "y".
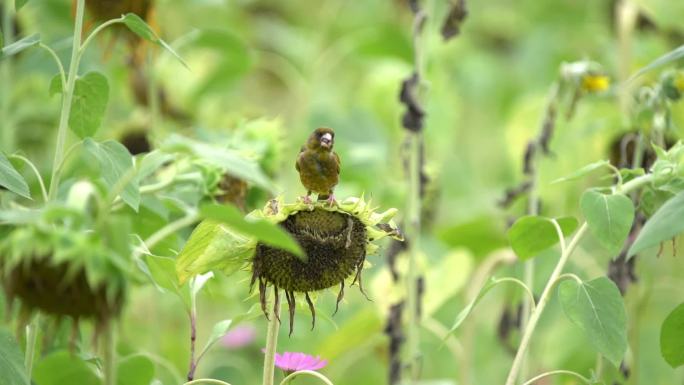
{"x": 306, "y": 199}
{"x": 331, "y": 200}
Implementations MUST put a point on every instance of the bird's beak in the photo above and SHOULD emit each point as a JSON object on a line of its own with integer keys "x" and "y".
{"x": 326, "y": 140}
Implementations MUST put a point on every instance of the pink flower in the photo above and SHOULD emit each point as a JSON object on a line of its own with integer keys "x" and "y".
{"x": 292, "y": 362}
{"x": 240, "y": 336}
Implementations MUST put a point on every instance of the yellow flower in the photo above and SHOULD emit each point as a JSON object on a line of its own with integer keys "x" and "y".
{"x": 595, "y": 83}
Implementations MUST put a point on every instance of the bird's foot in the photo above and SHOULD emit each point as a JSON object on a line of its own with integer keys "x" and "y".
{"x": 306, "y": 199}
{"x": 331, "y": 200}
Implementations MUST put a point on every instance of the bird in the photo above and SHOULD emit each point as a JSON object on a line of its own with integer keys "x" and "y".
{"x": 319, "y": 166}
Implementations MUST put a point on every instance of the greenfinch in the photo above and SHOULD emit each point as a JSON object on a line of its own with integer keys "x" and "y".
{"x": 319, "y": 165}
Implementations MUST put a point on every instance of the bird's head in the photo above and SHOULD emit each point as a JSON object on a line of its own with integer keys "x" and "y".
{"x": 321, "y": 139}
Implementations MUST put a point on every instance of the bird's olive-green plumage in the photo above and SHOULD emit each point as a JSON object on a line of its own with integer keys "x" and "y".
{"x": 318, "y": 164}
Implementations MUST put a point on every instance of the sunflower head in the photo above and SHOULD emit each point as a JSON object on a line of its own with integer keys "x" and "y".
{"x": 62, "y": 272}
{"x": 335, "y": 240}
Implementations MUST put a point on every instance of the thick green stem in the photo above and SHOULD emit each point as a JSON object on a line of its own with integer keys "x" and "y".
{"x": 67, "y": 98}
{"x": 271, "y": 346}
{"x": 109, "y": 359}
{"x": 31, "y": 338}
{"x": 7, "y": 143}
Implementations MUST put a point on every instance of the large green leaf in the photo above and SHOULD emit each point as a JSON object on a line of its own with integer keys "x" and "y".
{"x": 116, "y": 163}
{"x": 91, "y": 94}
{"x": 672, "y": 337}
{"x": 665, "y": 224}
{"x": 142, "y": 29}
{"x": 20, "y": 45}
{"x": 212, "y": 246}
{"x": 12, "y": 371}
{"x": 260, "y": 229}
{"x": 598, "y": 309}
{"x": 11, "y": 179}
{"x": 134, "y": 370}
{"x": 609, "y": 217}
{"x": 62, "y": 367}
{"x": 531, "y": 235}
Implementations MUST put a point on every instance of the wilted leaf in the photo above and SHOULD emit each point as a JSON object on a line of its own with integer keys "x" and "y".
{"x": 598, "y": 309}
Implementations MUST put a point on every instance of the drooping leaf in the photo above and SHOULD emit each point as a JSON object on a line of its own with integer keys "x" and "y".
{"x": 609, "y": 217}
{"x": 672, "y": 337}
{"x": 11, "y": 179}
{"x": 142, "y": 29}
{"x": 12, "y": 370}
{"x": 91, "y": 94}
{"x": 667, "y": 58}
{"x": 597, "y": 308}
{"x": 62, "y": 367}
{"x": 212, "y": 246}
{"x": 234, "y": 163}
{"x": 20, "y": 45}
{"x": 264, "y": 231}
{"x": 116, "y": 163}
{"x": 583, "y": 171}
{"x": 135, "y": 370}
{"x": 665, "y": 224}
{"x": 530, "y": 235}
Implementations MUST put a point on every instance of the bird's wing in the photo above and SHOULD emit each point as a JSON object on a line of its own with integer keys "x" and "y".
{"x": 337, "y": 162}
{"x": 299, "y": 158}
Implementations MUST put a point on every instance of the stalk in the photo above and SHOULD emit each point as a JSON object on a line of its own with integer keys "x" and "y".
{"x": 31, "y": 338}
{"x": 6, "y": 79}
{"x": 67, "y": 99}
{"x": 271, "y": 346}
{"x": 413, "y": 342}
{"x": 109, "y": 358}
{"x": 193, "y": 337}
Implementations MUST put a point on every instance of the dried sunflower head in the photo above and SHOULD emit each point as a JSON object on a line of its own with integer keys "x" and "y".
{"x": 335, "y": 240}
{"x": 62, "y": 272}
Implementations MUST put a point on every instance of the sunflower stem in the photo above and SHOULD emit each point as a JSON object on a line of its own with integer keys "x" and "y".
{"x": 271, "y": 346}
{"x": 67, "y": 98}
{"x": 193, "y": 337}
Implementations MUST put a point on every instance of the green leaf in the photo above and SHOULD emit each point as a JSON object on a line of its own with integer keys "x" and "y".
{"x": 12, "y": 370}
{"x": 163, "y": 272}
{"x": 667, "y": 58}
{"x": 234, "y": 163}
{"x": 609, "y": 217}
{"x": 442, "y": 287}
{"x": 11, "y": 179}
{"x": 62, "y": 367}
{"x": 264, "y": 231}
{"x": 55, "y": 86}
{"x": 672, "y": 337}
{"x": 142, "y": 29}
{"x": 212, "y": 246}
{"x": 219, "y": 330}
{"x": 91, "y": 94}
{"x": 598, "y": 309}
{"x": 20, "y": 45}
{"x": 19, "y": 3}
{"x": 583, "y": 171}
{"x": 116, "y": 163}
{"x": 151, "y": 162}
{"x": 135, "y": 370}
{"x": 530, "y": 235}
{"x": 665, "y": 224}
